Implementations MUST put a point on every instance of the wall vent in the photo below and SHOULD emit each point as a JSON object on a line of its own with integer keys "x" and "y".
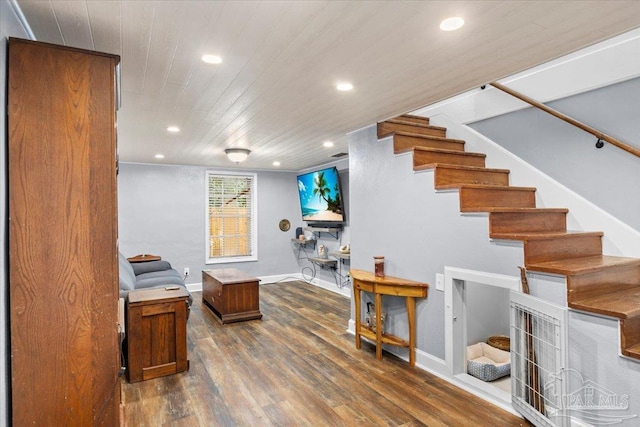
{"x": 338, "y": 155}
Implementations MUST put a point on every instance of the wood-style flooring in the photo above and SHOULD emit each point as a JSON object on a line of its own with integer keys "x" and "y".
{"x": 297, "y": 367}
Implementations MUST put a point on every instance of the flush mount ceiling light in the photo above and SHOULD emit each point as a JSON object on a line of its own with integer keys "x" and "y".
{"x": 159, "y": 156}
{"x": 212, "y": 59}
{"x": 451, "y": 24}
{"x": 173, "y": 129}
{"x": 327, "y": 144}
{"x": 344, "y": 87}
{"x": 237, "y": 155}
{"x": 276, "y": 163}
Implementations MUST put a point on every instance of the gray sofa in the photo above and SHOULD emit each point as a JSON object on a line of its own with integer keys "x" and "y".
{"x": 145, "y": 275}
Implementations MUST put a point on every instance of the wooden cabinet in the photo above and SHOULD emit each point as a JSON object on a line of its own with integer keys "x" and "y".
{"x": 156, "y": 333}
{"x": 231, "y": 294}
{"x": 63, "y": 262}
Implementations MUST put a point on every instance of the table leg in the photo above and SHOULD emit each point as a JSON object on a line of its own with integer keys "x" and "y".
{"x": 378, "y": 326}
{"x": 356, "y": 300}
{"x": 411, "y": 314}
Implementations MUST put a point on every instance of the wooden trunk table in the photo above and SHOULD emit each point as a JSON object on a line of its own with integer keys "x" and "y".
{"x": 156, "y": 333}
{"x": 364, "y": 281}
{"x": 231, "y": 294}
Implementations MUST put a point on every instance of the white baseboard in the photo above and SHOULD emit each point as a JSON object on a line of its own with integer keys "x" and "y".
{"x": 324, "y": 284}
{"x": 194, "y": 287}
{"x": 279, "y": 278}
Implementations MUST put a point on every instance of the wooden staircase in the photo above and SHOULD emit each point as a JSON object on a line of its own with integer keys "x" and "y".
{"x": 596, "y": 283}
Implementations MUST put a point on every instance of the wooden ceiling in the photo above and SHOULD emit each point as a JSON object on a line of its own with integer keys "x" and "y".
{"x": 274, "y": 92}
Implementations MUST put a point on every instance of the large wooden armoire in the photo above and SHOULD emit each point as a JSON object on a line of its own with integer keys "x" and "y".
{"x": 63, "y": 290}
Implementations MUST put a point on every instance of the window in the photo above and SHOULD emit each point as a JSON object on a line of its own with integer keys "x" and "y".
{"x": 231, "y": 218}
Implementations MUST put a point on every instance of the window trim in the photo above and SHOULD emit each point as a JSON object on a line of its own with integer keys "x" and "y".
{"x": 254, "y": 218}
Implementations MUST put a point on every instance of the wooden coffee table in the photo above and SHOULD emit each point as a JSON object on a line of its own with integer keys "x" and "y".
{"x": 231, "y": 294}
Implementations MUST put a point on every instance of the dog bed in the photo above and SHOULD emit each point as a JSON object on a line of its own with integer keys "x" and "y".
{"x": 487, "y": 363}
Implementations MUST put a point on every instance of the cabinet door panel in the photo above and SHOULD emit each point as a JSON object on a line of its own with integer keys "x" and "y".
{"x": 62, "y": 235}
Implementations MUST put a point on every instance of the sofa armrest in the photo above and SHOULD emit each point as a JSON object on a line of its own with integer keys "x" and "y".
{"x": 150, "y": 266}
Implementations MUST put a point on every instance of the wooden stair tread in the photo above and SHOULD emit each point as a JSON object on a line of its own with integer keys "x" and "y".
{"x": 418, "y": 125}
{"x": 528, "y": 210}
{"x": 582, "y": 265}
{"x": 542, "y": 236}
{"x": 467, "y": 168}
{"x": 531, "y": 235}
{"x": 419, "y": 135}
{"x": 633, "y": 351}
{"x": 414, "y": 118}
{"x": 497, "y": 187}
{"x": 621, "y": 304}
{"x": 434, "y": 137}
{"x": 453, "y": 152}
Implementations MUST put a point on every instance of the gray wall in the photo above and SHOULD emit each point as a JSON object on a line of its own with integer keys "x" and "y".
{"x": 608, "y": 177}
{"x": 487, "y": 311}
{"x": 594, "y": 353}
{"x": 396, "y": 213}
{"x": 9, "y": 27}
{"x": 162, "y": 211}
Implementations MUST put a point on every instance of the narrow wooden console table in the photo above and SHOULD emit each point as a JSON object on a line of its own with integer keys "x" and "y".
{"x": 368, "y": 282}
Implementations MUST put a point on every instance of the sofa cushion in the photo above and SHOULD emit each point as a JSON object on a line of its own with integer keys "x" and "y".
{"x": 127, "y": 277}
{"x": 146, "y": 267}
{"x": 159, "y": 278}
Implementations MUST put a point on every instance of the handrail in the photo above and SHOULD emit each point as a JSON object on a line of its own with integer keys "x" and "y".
{"x": 600, "y": 135}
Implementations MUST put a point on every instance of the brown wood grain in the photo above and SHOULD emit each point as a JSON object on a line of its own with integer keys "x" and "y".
{"x": 412, "y": 118}
{"x": 404, "y": 142}
{"x": 614, "y": 300}
{"x": 563, "y": 246}
{"x": 297, "y": 366}
{"x": 156, "y": 333}
{"x": 630, "y": 336}
{"x": 232, "y": 295}
{"x": 62, "y": 235}
{"x": 616, "y": 275}
{"x": 388, "y": 127}
{"x": 525, "y": 220}
{"x": 447, "y": 176}
{"x": 433, "y": 156}
{"x": 482, "y": 198}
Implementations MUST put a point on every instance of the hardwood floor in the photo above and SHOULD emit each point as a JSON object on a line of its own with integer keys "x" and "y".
{"x": 297, "y": 367}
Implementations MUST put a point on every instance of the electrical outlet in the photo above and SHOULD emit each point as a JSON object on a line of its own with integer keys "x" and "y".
{"x": 186, "y": 271}
{"x": 440, "y": 282}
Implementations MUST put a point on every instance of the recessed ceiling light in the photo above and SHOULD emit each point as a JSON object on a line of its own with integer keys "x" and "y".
{"x": 212, "y": 59}
{"x": 276, "y": 163}
{"x": 173, "y": 129}
{"x": 451, "y": 24}
{"x": 159, "y": 156}
{"x": 328, "y": 144}
{"x": 344, "y": 86}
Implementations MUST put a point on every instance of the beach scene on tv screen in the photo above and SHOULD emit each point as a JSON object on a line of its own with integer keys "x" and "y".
{"x": 320, "y": 196}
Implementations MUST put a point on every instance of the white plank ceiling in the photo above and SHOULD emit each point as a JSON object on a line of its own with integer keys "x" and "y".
{"x": 274, "y": 92}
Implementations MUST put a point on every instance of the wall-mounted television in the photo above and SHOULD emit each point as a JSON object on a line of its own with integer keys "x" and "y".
{"x": 321, "y": 198}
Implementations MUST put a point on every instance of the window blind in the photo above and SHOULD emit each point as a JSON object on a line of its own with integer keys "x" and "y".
{"x": 231, "y": 217}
